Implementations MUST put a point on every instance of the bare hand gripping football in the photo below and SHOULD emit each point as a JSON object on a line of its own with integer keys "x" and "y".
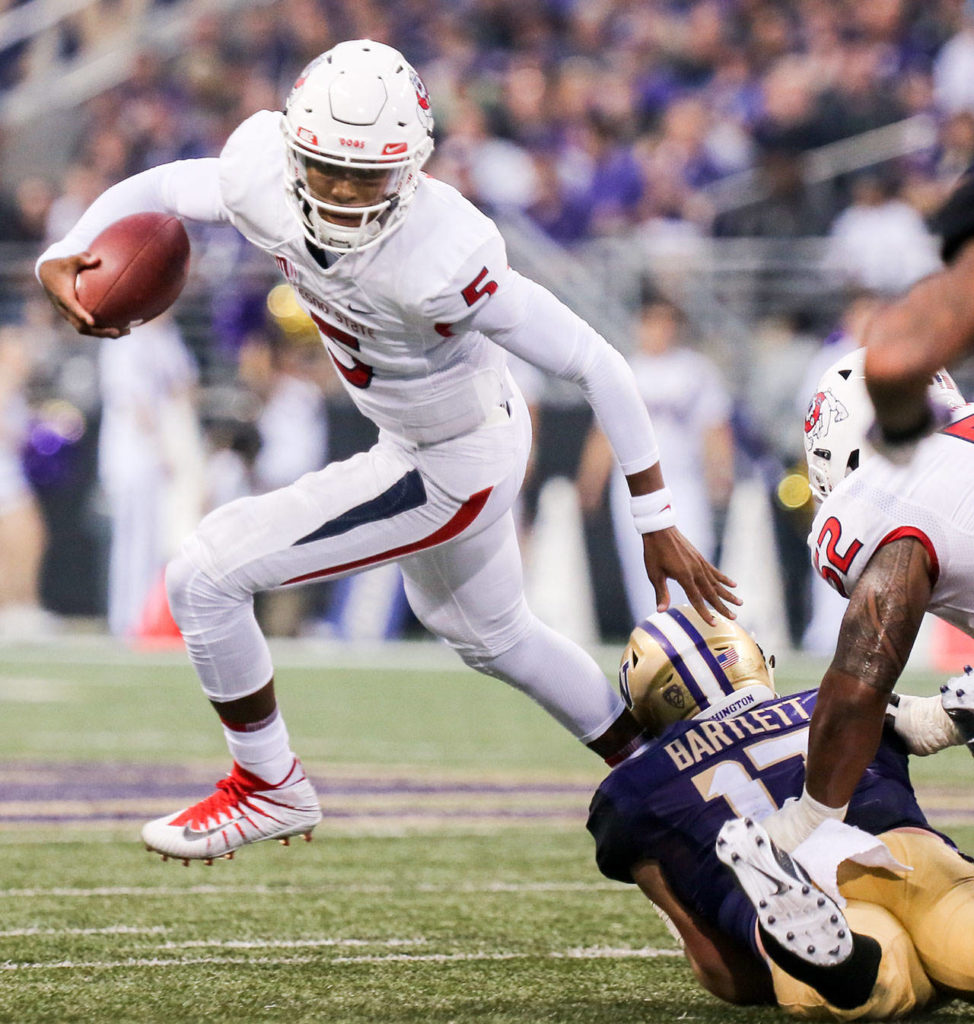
{"x": 143, "y": 262}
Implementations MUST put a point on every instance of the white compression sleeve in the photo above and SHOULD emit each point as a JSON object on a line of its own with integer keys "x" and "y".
{"x": 529, "y": 321}
{"x": 187, "y": 188}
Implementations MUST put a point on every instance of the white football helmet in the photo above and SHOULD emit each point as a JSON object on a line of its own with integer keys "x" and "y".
{"x": 677, "y": 666}
{"x": 839, "y": 417}
{"x": 358, "y": 109}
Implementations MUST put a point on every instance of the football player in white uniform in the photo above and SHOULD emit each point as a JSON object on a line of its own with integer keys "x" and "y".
{"x": 410, "y": 288}
{"x": 897, "y": 541}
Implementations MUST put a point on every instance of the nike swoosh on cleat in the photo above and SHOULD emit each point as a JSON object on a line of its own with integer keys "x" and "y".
{"x": 190, "y": 834}
{"x": 781, "y": 887}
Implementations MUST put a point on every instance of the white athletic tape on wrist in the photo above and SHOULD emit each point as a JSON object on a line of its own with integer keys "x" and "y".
{"x": 653, "y": 511}
{"x": 796, "y": 820}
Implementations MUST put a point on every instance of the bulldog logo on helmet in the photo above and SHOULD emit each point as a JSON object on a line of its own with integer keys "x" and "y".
{"x": 823, "y": 410}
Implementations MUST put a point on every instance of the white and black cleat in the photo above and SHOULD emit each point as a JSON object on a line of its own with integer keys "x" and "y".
{"x": 789, "y": 906}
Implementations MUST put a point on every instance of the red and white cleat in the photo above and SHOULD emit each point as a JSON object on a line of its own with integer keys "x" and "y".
{"x": 244, "y": 809}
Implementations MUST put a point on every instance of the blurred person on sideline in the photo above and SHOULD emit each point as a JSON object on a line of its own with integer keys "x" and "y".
{"x": 23, "y": 535}
{"x": 149, "y": 461}
{"x": 728, "y": 746}
{"x": 690, "y": 406}
{"x": 410, "y": 288}
{"x": 880, "y": 242}
{"x": 293, "y": 440}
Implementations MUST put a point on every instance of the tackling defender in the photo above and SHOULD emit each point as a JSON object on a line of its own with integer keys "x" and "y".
{"x": 411, "y": 291}
{"x": 727, "y": 745}
{"x": 897, "y": 541}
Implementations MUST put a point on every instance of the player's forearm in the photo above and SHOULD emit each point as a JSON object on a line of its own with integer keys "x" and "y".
{"x": 188, "y": 188}
{"x": 912, "y": 338}
{"x": 846, "y": 728}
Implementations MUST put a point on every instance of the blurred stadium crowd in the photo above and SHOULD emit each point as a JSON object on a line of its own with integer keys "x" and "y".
{"x": 592, "y": 117}
{"x": 586, "y": 122}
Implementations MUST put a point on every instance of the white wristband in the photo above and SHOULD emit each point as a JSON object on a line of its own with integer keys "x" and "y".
{"x": 797, "y": 819}
{"x": 653, "y": 511}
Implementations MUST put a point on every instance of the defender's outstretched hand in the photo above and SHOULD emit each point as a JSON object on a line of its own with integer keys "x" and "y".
{"x": 58, "y": 277}
{"x": 669, "y": 555}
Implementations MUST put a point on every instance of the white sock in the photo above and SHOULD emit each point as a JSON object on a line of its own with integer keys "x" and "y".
{"x": 263, "y": 748}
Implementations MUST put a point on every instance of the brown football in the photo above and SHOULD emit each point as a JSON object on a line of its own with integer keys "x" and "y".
{"x": 144, "y": 264}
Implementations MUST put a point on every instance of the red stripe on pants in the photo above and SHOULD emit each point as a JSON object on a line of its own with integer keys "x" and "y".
{"x": 463, "y": 517}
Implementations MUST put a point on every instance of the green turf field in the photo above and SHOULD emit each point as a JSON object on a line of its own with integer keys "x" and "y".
{"x": 452, "y": 878}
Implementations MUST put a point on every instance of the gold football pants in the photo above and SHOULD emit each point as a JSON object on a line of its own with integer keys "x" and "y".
{"x": 923, "y": 921}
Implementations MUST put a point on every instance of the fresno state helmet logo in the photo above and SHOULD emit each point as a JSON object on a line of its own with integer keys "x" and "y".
{"x": 422, "y": 100}
{"x": 823, "y": 410}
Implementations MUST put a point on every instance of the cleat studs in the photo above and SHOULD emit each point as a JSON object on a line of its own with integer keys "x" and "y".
{"x": 771, "y": 919}
{"x": 185, "y": 862}
{"x": 805, "y": 890}
{"x": 748, "y": 823}
{"x": 763, "y": 904}
{"x": 820, "y": 901}
{"x": 721, "y": 841}
{"x": 285, "y": 841}
{"x": 165, "y": 856}
{"x": 228, "y": 856}
{"x": 834, "y": 952}
{"x": 790, "y": 936}
{"x": 841, "y": 933}
{"x": 307, "y": 837}
{"x": 207, "y": 861}
{"x": 735, "y": 857}
{"x": 810, "y": 950}
{"x": 759, "y": 841}
{"x": 148, "y": 848}
{"x": 834, "y": 919}
{"x": 943, "y": 689}
{"x": 960, "y": 693}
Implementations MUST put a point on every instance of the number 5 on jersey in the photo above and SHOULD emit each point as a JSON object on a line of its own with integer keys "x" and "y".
{"x": 478, "y": 288}
{"x": 359, "y": 374}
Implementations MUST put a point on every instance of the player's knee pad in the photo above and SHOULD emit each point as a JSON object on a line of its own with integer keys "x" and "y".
{"x": 901, "y": 985}
{"x": 479, "y": 645}
{"x": 186, "y": 587}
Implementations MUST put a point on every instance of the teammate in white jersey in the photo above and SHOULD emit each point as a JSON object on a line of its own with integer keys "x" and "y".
{"x": 897, "y": 541}
{"x": 410, "y": 288}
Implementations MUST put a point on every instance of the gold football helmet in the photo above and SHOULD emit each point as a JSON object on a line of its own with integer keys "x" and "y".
{"x": 676, "y": 666}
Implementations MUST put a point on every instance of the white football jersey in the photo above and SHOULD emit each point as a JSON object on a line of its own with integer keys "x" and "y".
{"x": 388, "y": 315}
{"x": 931, "y": 499}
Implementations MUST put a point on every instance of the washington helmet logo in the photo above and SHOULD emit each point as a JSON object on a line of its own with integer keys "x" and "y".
{"x": 823, "y": 410}
{"x": 675, "y": 696}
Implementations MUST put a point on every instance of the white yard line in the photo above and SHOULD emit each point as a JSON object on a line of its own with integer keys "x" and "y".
{"x": 598, "y": 953}
{"x": 115, "y": 929}
{"x": 309, "y": 890}
{"x": 290, "y": 943}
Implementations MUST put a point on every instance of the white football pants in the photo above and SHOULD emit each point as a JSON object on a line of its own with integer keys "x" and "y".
{"x": 443, "y": 512}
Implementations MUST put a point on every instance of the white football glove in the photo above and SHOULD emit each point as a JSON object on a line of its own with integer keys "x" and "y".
{"x": 957, "y": 698}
